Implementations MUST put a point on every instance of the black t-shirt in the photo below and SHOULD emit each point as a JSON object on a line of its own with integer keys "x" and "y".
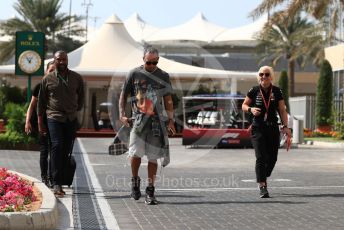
{"x": 34, "y": 118}
{"x": 257, "y": 101}
{"x": 36, "y": 90}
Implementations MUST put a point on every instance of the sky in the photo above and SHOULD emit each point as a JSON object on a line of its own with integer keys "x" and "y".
{"x": 159, "y": 13}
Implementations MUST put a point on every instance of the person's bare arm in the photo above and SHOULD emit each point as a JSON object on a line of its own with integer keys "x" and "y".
{"x": 246, "y": 107}
{"x": 284, "y": 117}
{"x": 122, "y": 116}
{"x": 32, "y": 106}
{"x": 170, "y": 113}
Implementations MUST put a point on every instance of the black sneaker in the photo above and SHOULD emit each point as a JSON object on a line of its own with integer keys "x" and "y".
{"x": 135, "y": 188}
{"x": 264, "y": 192}
{"x": 46, "y": 181}
{"x": 150, "y": 198}
{"x": 57, "y": 191}
{"x": 61, "y": 190}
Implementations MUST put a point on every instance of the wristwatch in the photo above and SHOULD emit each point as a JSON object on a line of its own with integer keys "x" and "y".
{"x": 284, "y": 126}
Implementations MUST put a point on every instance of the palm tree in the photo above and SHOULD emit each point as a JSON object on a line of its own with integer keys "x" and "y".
{"x": 42, "y": 16}
{"x": 299, "y": 41}
{"x": 329, "y": 9}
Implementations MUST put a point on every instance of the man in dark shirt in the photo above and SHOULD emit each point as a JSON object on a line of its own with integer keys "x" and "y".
{"x": 60, "y": 97}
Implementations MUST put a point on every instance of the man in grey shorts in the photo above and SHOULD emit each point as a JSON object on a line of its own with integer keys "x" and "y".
{"x": 148, "y": 88}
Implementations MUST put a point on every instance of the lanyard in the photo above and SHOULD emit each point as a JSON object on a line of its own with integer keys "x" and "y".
{"x": 266, "y": 104}
{"x": 62, "y": 79}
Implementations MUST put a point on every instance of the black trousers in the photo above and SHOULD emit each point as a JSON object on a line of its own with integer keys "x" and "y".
{"x": 265, "y": 140}
{"x": 44, "y": 148}
{"x": 44, "y": 160}
{"x": 62, "y": 135}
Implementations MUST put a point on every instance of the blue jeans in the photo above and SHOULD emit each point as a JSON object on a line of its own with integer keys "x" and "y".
{"x": 62, "y": 135}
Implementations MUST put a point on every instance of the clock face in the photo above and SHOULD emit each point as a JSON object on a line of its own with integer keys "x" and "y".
{"x": 29, "y": 61}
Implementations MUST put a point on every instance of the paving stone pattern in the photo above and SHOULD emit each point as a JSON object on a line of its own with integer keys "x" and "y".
{"x": 307, "y": 188}
{"x": 295, "y": 204}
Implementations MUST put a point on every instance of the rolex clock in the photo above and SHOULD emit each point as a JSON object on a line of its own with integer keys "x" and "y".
{"x": 29, "y": 61}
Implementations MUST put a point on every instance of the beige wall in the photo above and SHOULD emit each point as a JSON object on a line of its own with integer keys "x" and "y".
{"x": 335, "y": 55}
{"x": 305, "y": 83}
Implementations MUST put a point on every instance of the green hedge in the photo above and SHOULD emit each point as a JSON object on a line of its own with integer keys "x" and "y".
{"x": 324, "y": 96}
{"x": 283, "y": 83}
{"x": 14, "y": 135}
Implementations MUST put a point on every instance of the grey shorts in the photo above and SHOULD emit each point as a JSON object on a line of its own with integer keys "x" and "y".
{"x": 144, "y": 143}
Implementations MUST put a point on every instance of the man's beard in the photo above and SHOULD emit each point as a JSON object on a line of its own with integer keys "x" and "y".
{"x": 61, "y": 68}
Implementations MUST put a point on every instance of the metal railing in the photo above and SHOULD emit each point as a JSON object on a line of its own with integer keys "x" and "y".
{"x": 338, "y": 106}
{"x": 304, "y": 108}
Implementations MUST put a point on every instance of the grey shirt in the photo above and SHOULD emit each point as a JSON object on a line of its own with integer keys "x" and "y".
{"x": 146, "y": 89}
{"x": 61, "y": 98}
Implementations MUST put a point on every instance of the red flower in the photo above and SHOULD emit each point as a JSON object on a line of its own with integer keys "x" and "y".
{"x": 15, "y": 192}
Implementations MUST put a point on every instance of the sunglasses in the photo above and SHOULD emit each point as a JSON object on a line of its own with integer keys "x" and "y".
{"x": 151, "y": 62}
{"x": 266, "y": 74}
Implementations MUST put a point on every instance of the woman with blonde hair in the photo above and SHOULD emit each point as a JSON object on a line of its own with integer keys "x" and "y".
{"x": 264, "y": 102}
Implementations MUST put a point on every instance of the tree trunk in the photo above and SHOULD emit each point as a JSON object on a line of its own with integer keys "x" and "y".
{"x": 53, "y": 38}
{"x": 291, "y": 74}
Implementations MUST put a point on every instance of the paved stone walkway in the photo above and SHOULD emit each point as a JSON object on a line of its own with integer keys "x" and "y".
{"x": 205, "y": 189}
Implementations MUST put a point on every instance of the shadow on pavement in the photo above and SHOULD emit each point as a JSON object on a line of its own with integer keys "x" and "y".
{"x": 314, "y": 195}
{"x": 232, "y": 202}
{"x": 157, "y": 195}
{"x": 64, "y": 221}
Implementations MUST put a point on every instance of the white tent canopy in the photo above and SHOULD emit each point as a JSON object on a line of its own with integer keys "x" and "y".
{"x": 243, "y": 33}
{"x": 197, "y": 29}
{"x": 138, "y": 28}
{"x": 113, "y": 52}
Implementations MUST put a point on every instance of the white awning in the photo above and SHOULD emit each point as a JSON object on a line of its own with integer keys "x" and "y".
{"x": 113, "y": 52}
{"x": 197, "y": 29}
{"x": 240, "y": 34}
